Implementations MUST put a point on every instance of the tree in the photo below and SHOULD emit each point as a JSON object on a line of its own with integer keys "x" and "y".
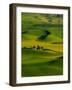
{"x": 44, "y": 35}
{"x": 47, "y": 32}
{"x": 38, "y": 47}
{"x": 34, "y": 47}
{"x": 42, "y": 48}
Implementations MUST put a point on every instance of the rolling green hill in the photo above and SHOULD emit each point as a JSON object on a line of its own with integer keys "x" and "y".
{"x": 42, "y": 44}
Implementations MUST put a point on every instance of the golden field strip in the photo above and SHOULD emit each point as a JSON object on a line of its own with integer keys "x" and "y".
{"x": 51, "y": 46}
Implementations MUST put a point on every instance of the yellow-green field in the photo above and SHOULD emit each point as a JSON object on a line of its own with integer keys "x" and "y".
{"x": 42, "y": 45}
{"x": 31, "y": 43}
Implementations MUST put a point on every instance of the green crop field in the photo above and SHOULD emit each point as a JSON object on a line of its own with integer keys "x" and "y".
{"x": 42, "y": 44}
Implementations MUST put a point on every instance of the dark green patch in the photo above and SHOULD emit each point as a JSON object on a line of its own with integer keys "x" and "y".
{"x": 43, "y": 69}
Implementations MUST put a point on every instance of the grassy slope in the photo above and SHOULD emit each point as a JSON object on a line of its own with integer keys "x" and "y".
{"x": 38, "y": 23}
{"x": 43, "y": 69}
{"x": 33, "y": 56}
{"x": 39, "y": 63}
{"x": 35, "y": 63}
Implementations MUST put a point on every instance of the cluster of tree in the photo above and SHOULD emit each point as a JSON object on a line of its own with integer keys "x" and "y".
{"x": 44, "y": 35}
{"x": 35, "y": 47}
